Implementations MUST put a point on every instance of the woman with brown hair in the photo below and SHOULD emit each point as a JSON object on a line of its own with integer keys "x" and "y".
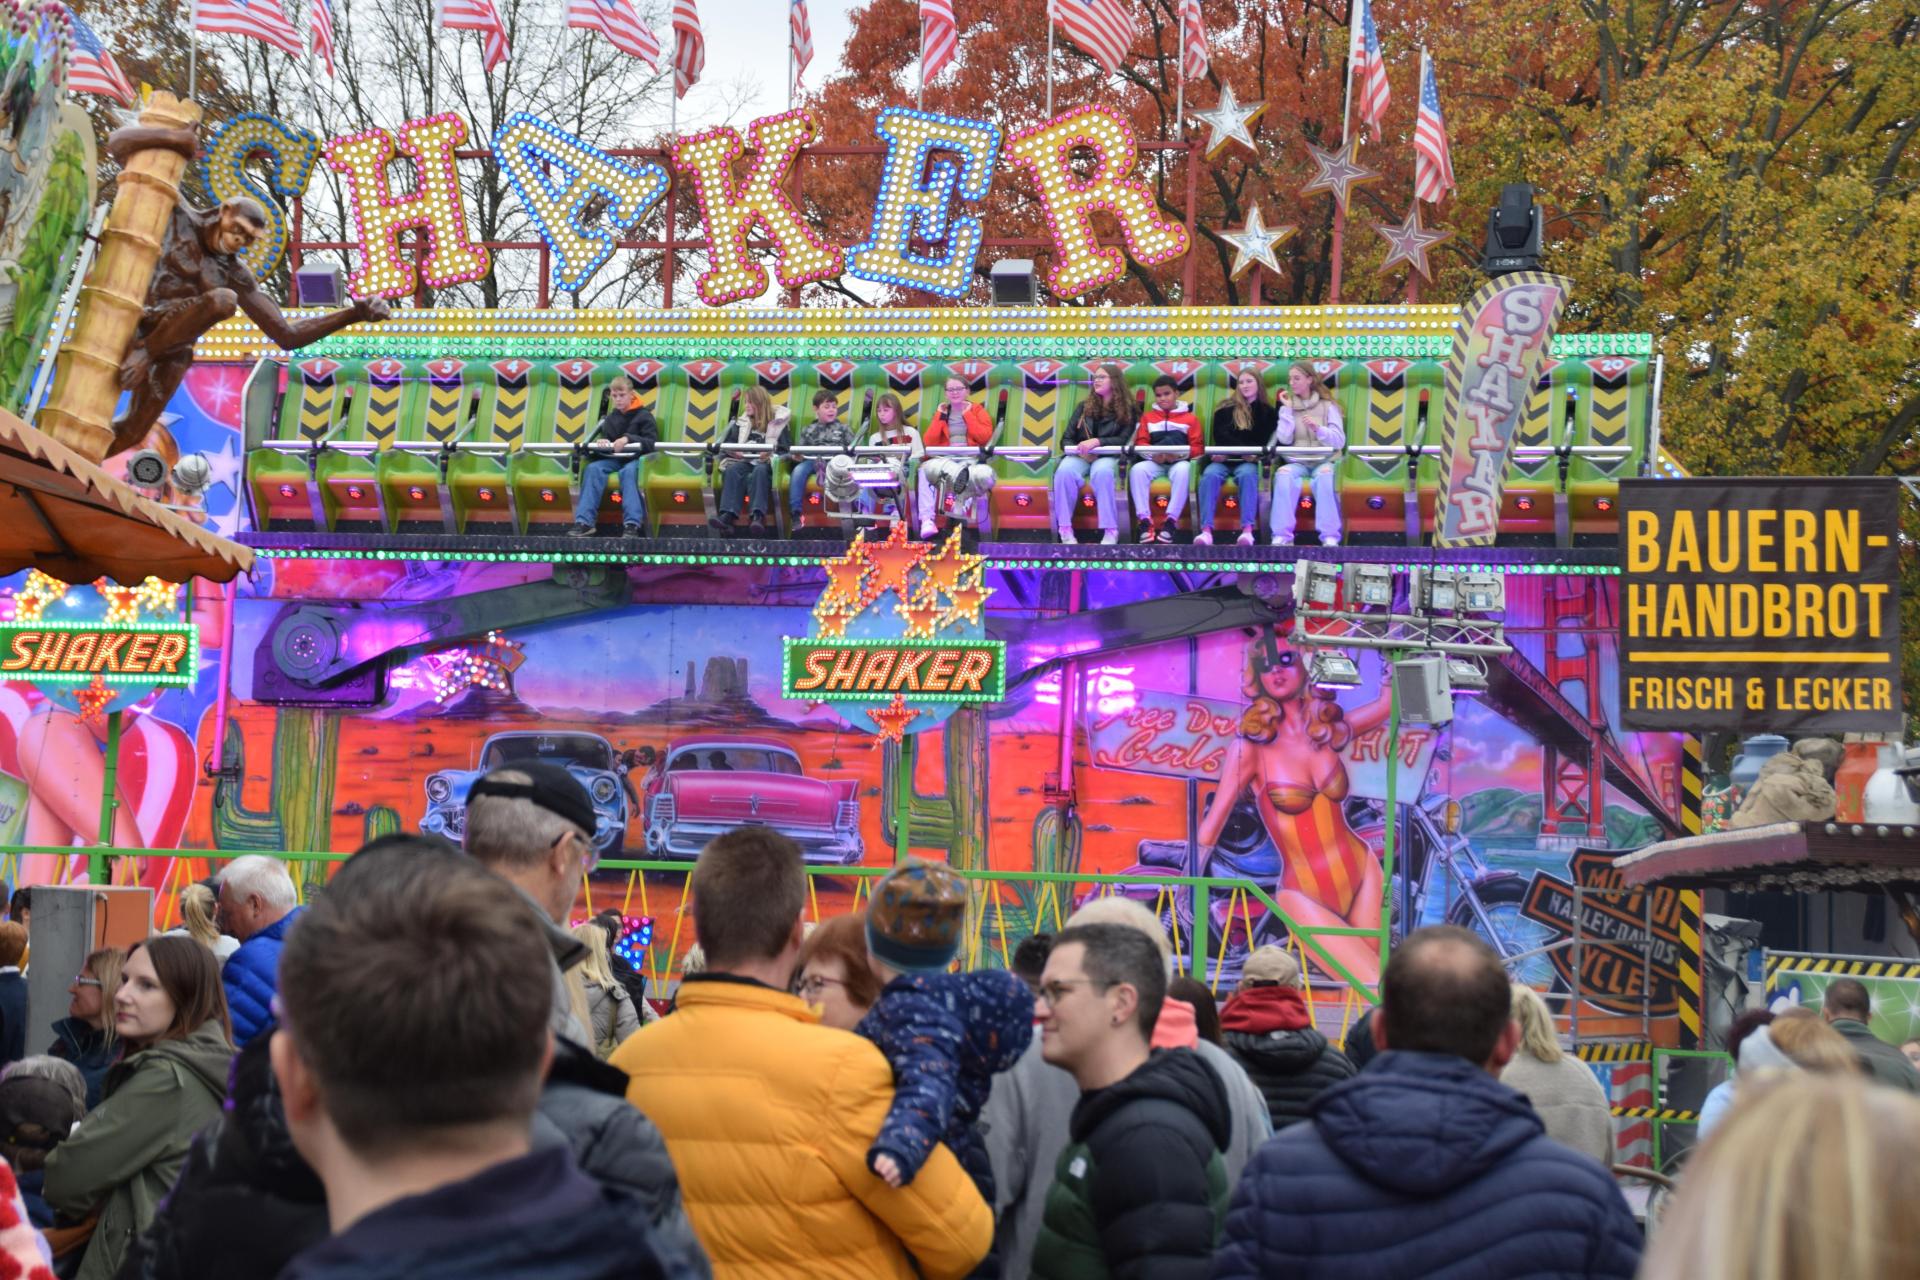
{"x": 120, "y": 1162}
{"x": 1104, "y": 418}
{"x": 1810, "y": 1177}
{"x": 834, "y": 973}
{"x": 85, "y": 1036}
{"x": 1287, "y": 756}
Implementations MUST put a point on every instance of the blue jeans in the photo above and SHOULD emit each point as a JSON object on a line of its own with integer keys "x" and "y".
{"x": 797, "y": 488}
{"x": 1246, "y": 478}
{"x": 741, "y": 479}
{"x": 1101, "y": 474}
{"x": 593, "y": 487}
{"x": 1287, "y": 483}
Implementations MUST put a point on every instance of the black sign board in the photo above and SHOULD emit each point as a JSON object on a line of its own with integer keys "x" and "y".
{"x": 1760, "y": 605}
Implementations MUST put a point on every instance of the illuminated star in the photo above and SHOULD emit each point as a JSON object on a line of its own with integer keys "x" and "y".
{"x": 93, "y": 699}
{"x": 945, "y": 570}
{"x": 35, "y": 594}
{"x": 1228, "y": 121}
{"x": 1338, "y": 172}
{"x": 892, "y": 720}
{"x": 123, "y": 603}
{"x": 846, "y": 577}
{"x": 158, "y": 596}
{"x": 1254, "y": 242}
{"x": 1410, "y": 242}
{"x": 892, "y": 561}
{"x": 831, "y": 626}
{"x": 966, "y": 602}
{"x": 922, "y": 614}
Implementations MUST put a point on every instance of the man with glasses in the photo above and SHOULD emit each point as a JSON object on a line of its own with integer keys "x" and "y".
{"x": 532, "y": 826}
{"x": 1140, "y": 1188}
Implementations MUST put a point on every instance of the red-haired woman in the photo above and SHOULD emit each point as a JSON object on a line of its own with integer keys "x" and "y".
{"x": 1288, "y": 753}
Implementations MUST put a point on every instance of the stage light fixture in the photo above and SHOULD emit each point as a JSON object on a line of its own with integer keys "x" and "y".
{"x": 1466, "y": 676}
{"x": 1013, "y": 283}
{"x": 1482, "y": 593}
{"x": 320, "y": 285}
{"x": 1333, "y": 669}
{"x": 1373, "y": 586}
{"x": 1513, "y": 233}
{"x": 1316, "y": 584}
{"x": 1436, "y": 591}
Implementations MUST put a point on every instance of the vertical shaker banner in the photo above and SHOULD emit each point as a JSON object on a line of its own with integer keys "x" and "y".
{"x": 1767, "y": 604}
{"x": 1497, "y": 352}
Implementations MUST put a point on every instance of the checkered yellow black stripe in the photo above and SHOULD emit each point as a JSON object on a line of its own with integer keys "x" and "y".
{"x": 1843, "y": 968}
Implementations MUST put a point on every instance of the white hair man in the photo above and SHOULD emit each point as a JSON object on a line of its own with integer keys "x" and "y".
{"x": 1026, "y": 1116}
{"x": 258, "y": 904}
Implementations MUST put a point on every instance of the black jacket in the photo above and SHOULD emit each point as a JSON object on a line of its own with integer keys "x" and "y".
{"x": 533, "y": 1218}
{"x": 1140, "y": 1189}
{"x": 13, "y": 1017}
{"x": 1092, "y": 420}
{"x": 88, "y": 1049}
{"x": 636, "y": 426}
{"x": 1265, "y": 419}
{"x": 1269, "y": 1032}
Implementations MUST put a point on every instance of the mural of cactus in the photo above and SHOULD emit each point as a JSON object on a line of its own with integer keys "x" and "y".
{"x": 381, "y": 820}
{"x": 299, "y": 812}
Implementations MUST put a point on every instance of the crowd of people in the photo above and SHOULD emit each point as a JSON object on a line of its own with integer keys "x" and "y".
{"x": 424, "y": 1072}
{"x": 1109, "y": 440}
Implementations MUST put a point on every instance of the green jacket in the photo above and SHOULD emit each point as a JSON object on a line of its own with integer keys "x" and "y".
{"x": 124, "y": 1156}
{"x": 1140, "y": 1190}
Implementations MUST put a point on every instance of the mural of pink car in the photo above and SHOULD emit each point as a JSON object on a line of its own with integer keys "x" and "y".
{"x": 710, "y": 784}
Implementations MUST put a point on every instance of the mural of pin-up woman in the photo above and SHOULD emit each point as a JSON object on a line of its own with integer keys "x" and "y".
{"x": 1288, "y": 755}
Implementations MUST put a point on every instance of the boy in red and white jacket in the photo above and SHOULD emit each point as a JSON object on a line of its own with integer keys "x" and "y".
{"x": 1170, "y": 422}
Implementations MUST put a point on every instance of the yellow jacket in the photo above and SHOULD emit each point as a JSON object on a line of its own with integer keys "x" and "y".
{"x": 768, "y": 1116}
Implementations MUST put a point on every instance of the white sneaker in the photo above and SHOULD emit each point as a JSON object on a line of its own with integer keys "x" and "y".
{"x": 1279, "y": 541}
{"x": 1246, "y": 538}
{"x": 927, "y": 530}
{"x": 1329, "y": 542}
{"x": 1067, "y": 536}
{"x": 1204, "y": 538}
{"x": 1110, "y": 537}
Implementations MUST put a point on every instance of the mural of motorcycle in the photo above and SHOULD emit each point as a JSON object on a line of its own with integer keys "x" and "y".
{"x": 1430, "y": 853}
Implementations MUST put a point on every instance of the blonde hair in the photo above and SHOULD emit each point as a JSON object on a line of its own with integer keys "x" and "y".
{"x": 1808, "y": 1176}
{"x": 1242, "y": 407}
{"x": 196, "y": 914}
{"x": 105, "y": 965}
{"x": 1537, "y": 1036}
{"x": 596, "y": 968}
{"x": 1812, "y": 1045}
{"x": 755, "y": 402}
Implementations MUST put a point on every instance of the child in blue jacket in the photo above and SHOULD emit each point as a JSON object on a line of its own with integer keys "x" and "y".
{"x": 946, "y": 1035}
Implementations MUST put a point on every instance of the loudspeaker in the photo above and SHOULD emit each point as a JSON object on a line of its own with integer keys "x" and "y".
{"x": 1421, "y": 686}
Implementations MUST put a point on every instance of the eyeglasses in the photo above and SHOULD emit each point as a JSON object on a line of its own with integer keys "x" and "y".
{"x": 1052, "y": 991}
{"x": 84, "y": 981}
{"x": 814, "y": 987}
{"x": 593, "y": 850}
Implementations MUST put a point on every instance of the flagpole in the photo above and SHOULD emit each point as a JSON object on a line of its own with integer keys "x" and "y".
{"x": 1049, "y": 59}
{"x": 1180, "y": 77}
{"x": 1346, "y": 121}
{"x": 920, "y": 94}
{"x": 790, "y": 76}
{"x": 193, "y": 48}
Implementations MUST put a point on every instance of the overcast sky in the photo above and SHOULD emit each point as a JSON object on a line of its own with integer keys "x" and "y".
{"x": 746, "y": 73}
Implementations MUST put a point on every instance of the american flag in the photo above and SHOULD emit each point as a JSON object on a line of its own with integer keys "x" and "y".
{"x": 939, "y": 37}
{"x": 1104, "y": 28}
{"x": 260, "y": 19}
{"x": 323, "y": 33}
{"x": 802, "y": 36}
{"x": 616, "y": 20}
{"x": 1367, "y": 69}
{"x": 1193, "y": 41}
{"x": 93, "y": 69}
{"x": 689, "y": 47}
{"x": 481, "y": 16}
{"x": 1432, "y": 160}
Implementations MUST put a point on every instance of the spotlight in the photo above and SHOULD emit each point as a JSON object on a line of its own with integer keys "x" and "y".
{"x": 319, "y": 285}
{"x": 1316, "y": 583}
{"x": 1436, "y": 591}
{"x": 1482, "y": 593}
{"x": 1332, "y": 669}
{"x": 1373, "y": 586}
{"x": 1513, "y": 233}
{"x": 1466, "y": 677}
{"x": 1012, "y": 283}
{"x": 192, "y": 474}
{"x": 146, "y": 470}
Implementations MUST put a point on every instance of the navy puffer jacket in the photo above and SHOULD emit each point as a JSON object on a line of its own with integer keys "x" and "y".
{"x": 1423, "y": 1165}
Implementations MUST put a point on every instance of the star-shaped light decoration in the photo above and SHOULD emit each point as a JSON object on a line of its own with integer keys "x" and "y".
{"x": 893, "y": 560}
{"x": 946, "y": 570}
{"x": 832, "y": 625}
{"x": 1409, "y": 243}
{"x": 1256, "y": 242}
{"x": 157, "y": 596}
{"x": 1338, "y": 172}
{"x": 35, "y": 594}
{"x": 846, "y": 580}
{"x": 123, "y": 603}
{"x": 965, "y": 602}
{"x": 922, "y": 614}
{"x": 93, "y": 699}
{"x": 892, "y": 720}
{"x": 1227, "y": 122}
